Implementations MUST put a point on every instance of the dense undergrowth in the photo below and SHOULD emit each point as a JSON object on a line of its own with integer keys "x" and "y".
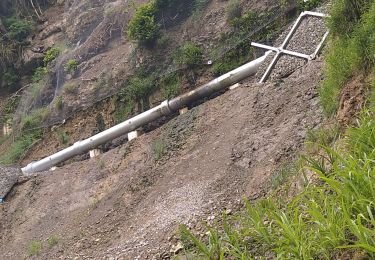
{"x": 334, "y": 215}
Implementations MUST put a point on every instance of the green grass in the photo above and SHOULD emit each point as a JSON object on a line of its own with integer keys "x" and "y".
{"x": 19, "y": 147}
{"x": 52, "y": 241}
{"x": 158, "y": 149}
{"x": 334, "y": 215}
{"x": 322, "y": 221}
{"x": 352, "y": 48}
{"x": 34, "y": 249}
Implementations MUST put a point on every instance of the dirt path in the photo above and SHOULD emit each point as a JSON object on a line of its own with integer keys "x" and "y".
{"x": 126, "y": 205}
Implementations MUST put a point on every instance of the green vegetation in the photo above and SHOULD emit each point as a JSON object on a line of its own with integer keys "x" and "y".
{"x": 71, "y": 66}
{"x": 143, "y": 26}
{"x": 39, "y": 74}
{"x": 139, "y": 90}
{"x": 35, "y": 248}
{"x": 11, "y": 78}
{"x": 34, "y": 119}
{"x": 52, "y": 241}
{"x": 70, "y": 88}
{"x": 149, "y": 18}
{"x": 59, "y": 102}
{"x": 159, "y": 149}
{"x": 189, "y": 54}
{"x": 17, "y": 29}
{"x": 353, "y": 47}
{"x": 170, "y": 85}
{"x": 234, "y": 10}
{"x": 334, "y": 215}
{"x": 51, "y": 55}
{"x": 63, "y": 137}
{"x": 303, "y": 5}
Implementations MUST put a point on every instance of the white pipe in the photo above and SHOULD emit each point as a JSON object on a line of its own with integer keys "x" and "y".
{"x": 165, "y": 108}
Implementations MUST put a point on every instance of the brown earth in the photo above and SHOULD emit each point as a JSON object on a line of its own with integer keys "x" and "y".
{"x": 125, "y": 204}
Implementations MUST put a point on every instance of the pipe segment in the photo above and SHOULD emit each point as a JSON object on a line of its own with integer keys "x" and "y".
{"x": 165, "y": 108}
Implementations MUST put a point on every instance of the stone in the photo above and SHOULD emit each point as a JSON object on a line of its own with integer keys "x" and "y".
{"x": 183, "y": 110}
{"x": 133, "y": 135}
{"x": 95, "y": 153}
{"x": 234, "y": 86}
{"x": 8, "y": 178}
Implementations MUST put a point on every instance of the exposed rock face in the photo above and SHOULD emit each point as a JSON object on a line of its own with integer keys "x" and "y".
{"x": 8, "y": 177}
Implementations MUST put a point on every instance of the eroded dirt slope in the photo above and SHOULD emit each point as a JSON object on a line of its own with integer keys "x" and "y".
{"x": 125, "y": 204}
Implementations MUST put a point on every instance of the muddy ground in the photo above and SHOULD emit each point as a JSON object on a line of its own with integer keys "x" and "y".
{"x": 128, "y": 202}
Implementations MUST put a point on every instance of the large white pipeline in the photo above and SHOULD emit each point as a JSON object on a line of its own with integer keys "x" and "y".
{"x": 165, "y": 108}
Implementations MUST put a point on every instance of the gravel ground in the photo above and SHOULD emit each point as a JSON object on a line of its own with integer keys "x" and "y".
{"x": 305, "y": 40}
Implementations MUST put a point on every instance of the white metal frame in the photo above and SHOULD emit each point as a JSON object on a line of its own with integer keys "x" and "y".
{"x": 282, "y": 50}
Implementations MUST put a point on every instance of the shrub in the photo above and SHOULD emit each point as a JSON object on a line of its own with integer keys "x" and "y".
{"x": 140, "y": 89}
{"x": 163, "y": 42}
{"x": 34, "y": 119}
{"x": 63, "y": 137}
{"x": 11, "y": 78}
{"x": 245, "y": 23}
{"x": 171, "y": 86}
{"x": 304, "y": 5}
{"x": 18, "y": 29}
{"x": 35, "y": 248}
{"x": 143, "y": 26}
{"x": 70, "y": 88}
{"x": 51, "y": 55}
{"x": 52, "y": 241}
{"x": 234, "y": 10}
{"x": 159, "y": 149}
{"x": 189, "y": 54}
{"x": 59, "y": 102}
{"x": 39, "y": 74}
{"x": 71, "y": 66}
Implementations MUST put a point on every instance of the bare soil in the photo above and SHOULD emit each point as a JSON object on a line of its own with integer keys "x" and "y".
{"x": 125, "y": 204}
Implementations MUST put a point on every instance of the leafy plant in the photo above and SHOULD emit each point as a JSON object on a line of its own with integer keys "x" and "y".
{"x": 158, "y": 149}
{"x": 51, "y": 55}
{"x": 70, "y": 88}
{"x": 189, "y": 54}
{"x": 52, "y": 241}
{"x": 63, "y": 137}
{"x": 71, "y": 66}
{"x": 35, "y": 248}
{"x": 143, "y": 26}
{"x": 18, "y": 29}
{"x": 39, "y": 74}
{"x": 59, "y": 102}
{"x": 234, "y": 10}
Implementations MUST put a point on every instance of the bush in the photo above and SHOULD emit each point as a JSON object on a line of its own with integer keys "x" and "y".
{"x": 143, "y": 26}
{"x": 303, "y": 5}
{"x": 39, "y": 74}
{"x": 70, "y": 88}
{"x": 140, "y": 88}
{"x": 171, "y": 86}
{"x": 35, "y": 248}
{"x": 51, "y": 55}
{"x": 71, "y": 66}
{"x": 11, "y": 78}
{"x": 34, "y": 119}
{"x": 52, "y": 241}
{"x": 190, "y": 55}
{"x": 234, "y": 10}
{"x": 59, "y": 102}
{"x": 63, "y": 137}
{"x": 18, "y": 29}
{"x": 245, "y": 23}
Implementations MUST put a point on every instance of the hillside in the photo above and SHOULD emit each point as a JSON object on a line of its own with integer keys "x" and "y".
{"x": 226, "y": 178}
